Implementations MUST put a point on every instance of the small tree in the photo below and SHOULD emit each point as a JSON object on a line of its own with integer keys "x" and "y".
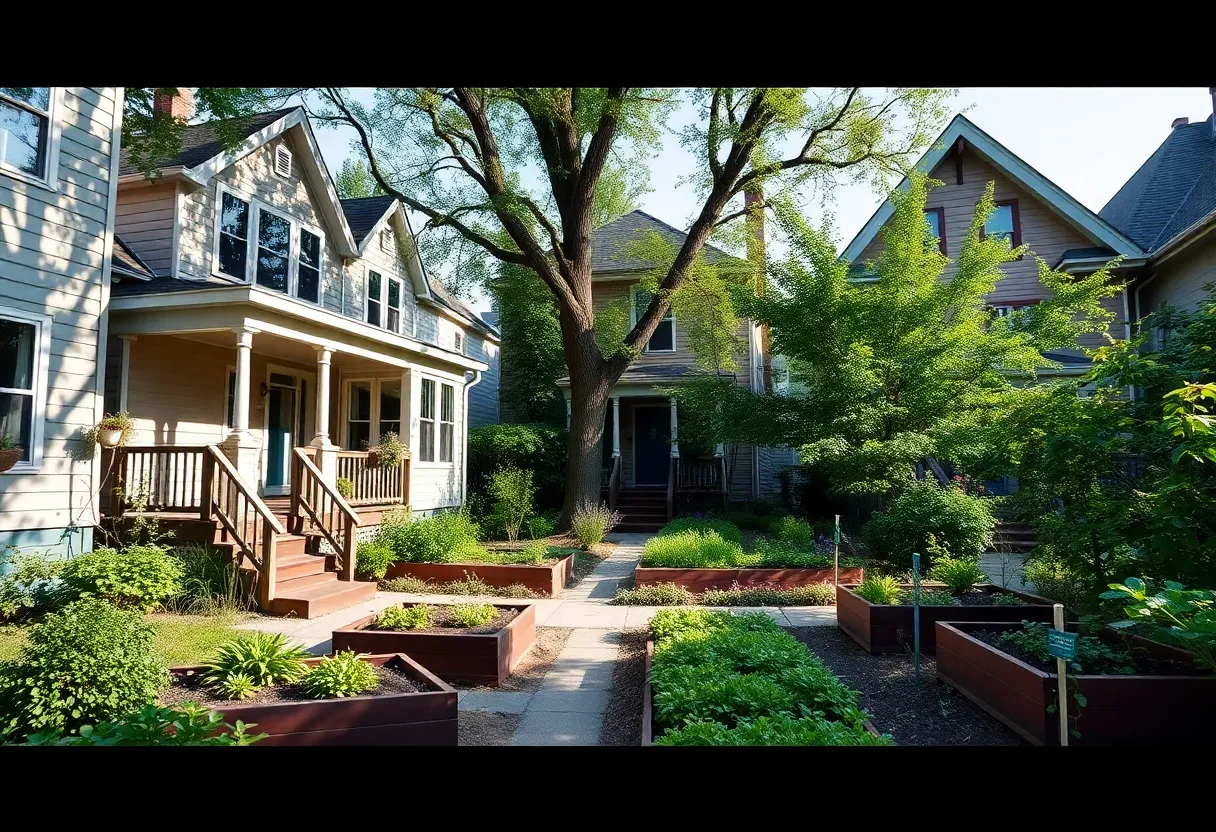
{"x": 512, "y": 491}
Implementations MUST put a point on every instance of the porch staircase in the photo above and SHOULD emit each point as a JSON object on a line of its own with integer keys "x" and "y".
{"x": 1013, "y": 536}
{"x": 642, "y": 509}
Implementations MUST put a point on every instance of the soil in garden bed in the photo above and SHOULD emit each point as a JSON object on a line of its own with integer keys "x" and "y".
{"x": 527, "y": 675}
{"x": 931, "y": 714}
{"x": 1145, "y": 665}
{"x": 190, "y": 688}
{"x": 441, "y": 622}
{"x": 623, "y": 715}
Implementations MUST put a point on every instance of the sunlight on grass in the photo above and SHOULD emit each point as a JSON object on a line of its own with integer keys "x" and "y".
{"x": 11, "y": 639}
{"x": 190, "y": 639}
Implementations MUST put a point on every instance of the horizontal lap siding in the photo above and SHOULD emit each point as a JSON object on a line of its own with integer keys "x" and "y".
{"x": 51, "y": 262}
{"x": 1180, "y": 280}
{"x": 483, "y": 399}
{"x": 144, "y": 220}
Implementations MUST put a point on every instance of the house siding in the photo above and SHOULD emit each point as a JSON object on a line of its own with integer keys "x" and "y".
{"x": 387, "y": 264}
{"x": 53, "y": 262}
{"x": 144, "y": 219}
{"x": 1180, "y": 280}
{"x": 483, "y": 399}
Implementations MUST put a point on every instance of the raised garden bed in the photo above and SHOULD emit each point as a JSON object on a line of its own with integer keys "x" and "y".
{"x": 484, "y": 655}
{"x": 887, "y": 628}
{"x": 1119, "y": 709}
{"x": 699, "y": 580}
{"x": 421, "y": 710}
{"x": 547, "y": 580}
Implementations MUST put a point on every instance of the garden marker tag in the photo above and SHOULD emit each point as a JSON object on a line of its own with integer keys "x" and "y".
{"x": 916, "y": 613}
{"x": 1062, "y": 645}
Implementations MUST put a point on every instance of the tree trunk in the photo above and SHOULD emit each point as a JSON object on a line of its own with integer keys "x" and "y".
{"x": 588, "y": 405}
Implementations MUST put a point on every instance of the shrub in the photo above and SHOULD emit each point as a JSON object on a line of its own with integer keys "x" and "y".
{"x": 539, "y": 527}
{"x": 774, "y": 730}
{"x": 534, "y": 553}
{"x": 1054, "y": 579}
{"x": 372, "y": 559}
{"x": 591, "y": 521}
{"x": 417, "y": 617}
{"x": 780, "y": 553}
{"x": 31, "y": 586}
{"x": 139, "y": 577}
{"x": 653, "y": 595}
{"x": 793, "y": 530}
{"x": 815, "y": 595}
{"x": 210, "y": 582}
{"x": 755, "y": 522}
{"x": 472, "y": 615}
{"x": 426, "y": 539}
{"x": 88, "y": 663}
{"x": 345, "y": 487}
{"x": 694, "y": 550}
{"x": 962, "y": 524}
{"x": 266, "y": 658}
{"x": 191, "y": 724}
{"x": 1184, "y": 616}
{"x": 340, "y": 675}
{"x": 512, "y": 491}
{"x": 725, "y": 529}
{"x": 879, "y": 589}
{"x": 960, "y": 575}
{"x": 533, "y": 447}
{"x": 406, "y": 583}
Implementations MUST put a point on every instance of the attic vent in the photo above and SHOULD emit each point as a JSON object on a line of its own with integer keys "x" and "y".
{"x": 459, "y": 343}
{"x": 282, "y": 161}
{"x": 386, "y": 240}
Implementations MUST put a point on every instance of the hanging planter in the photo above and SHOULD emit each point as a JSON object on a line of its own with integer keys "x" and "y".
{"x": 389, "y": 453}
{"x": 115, "y": 430}
{"x": 10, "y": 454}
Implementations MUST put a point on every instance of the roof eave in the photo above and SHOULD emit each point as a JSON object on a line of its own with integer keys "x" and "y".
{"x": 1185, "y": 238}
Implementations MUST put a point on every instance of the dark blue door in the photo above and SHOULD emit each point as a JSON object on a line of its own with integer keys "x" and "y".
{"x": 651, "y": 445}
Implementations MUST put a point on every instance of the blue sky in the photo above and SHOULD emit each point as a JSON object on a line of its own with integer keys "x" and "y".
{"x": 1088, "y": 140}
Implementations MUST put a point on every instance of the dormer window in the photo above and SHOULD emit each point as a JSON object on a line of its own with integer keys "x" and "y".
{"x": 282, "y": 161}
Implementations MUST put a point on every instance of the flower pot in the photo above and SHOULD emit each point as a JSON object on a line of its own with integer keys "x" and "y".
{"x": 109, "y": 437}
{"x": 10, "y": 457}
{"x": 373, "y": 458}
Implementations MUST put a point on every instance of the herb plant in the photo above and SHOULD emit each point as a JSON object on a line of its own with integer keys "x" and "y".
{"x": 266, "y": 658}
{"x": 1185, "y": 617}
{"x": 591, "y": 521}
{"x": 417, "y": 617}
{"x": 372, "y": 559}
{"x": 960, "y": 575}
{"x": 1093, "y": 655}
{"x": 343, "y": 674}
{"x": 880, "y": 589}
{"x": 693, "y": 549}
{"x": 929, "y": 597}
{"x": 190, "y": 724}
{"x": 725, "y": 529}
{"x": 236, "y": 686}
{"x": 795, "y": 531}
{"x": 773, "y": 731}
{"x": 653, "y": 595}
{"x": 472, "y": 615}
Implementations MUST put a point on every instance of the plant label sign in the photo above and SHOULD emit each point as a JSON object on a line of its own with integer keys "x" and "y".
{"x": 1062, "y": 645}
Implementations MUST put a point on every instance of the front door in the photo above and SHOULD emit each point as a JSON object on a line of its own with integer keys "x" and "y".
{"x": 282, "y": 404}
{"x": 651, "y": 445}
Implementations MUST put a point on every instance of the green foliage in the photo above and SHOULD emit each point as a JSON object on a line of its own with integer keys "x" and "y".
{"x": 795, "y": 531}
{"x": 693, "y": 550}
{"x": 391, "y": 451}
{"x": 372, "y": 559}
{"x": 880, "y": 589}
{"x": 266, "y": 658}
{"x": 187, "y": 724}
{"x": 774, "y": 731}
{"x": 539, "y": 527}
{"x": 535, "y": 447}
{"x": 776, "y": 554}
{"x": 416, "y": 617}
{"x": 340, "y": 675}
{"x": 470, "y": 585}
{"x": 534, "y": 553}
{"x": 1184, "y": 616}
{"x": 961, "y": 524}
{"x": 1093, "y": 655}
{"x": 512, "y": 491}
{"x": 210, "y": 583}
{"x": 30, "y": 586}
{"x": 431, "y": 539}
{"x": 666, "y": 624}
{"x": 121, "y": 421}
{"x": 1053, "y": 579}
{"x": 960, "y": 575}
{"x": 591, "y": 521}
{"x": 345, "y": 487}
{"x": 236, "y": 686}
{"x": 88, "y": 663}
{"x": 928, "y": 597}
{"x": 472, "y": 615}
{"x": 653, "y": 595}
{"x": 753, "y": 522}
{"x": 138, "y": 577}
{"x": 355, "y": 180}
{"x": 532, "y": 337}
{"x": 814, "y": 595}
{"x": 1005, "y": 599}
{"x": 727, "y": 530}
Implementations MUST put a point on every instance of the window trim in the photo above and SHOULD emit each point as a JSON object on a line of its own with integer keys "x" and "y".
{"x": 1014, "y": 217}
{"x": 633, "y": 321}
{"x": 457, "y": 421}
{"x": 941, "y": 225}
{"x": 386, "y": 276}
{"x": 40, "y": 377}
{"x": 367, "y": 280}
{"x": 256, "y": 207}
{"x": 230, "y": 374}
{"x": 384, "y": 305}
{"x": 54, "y": 116}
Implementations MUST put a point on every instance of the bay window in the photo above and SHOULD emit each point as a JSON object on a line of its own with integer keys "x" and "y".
{"x": 24, "y": 352}
{"x": 256, "y": 244}
{"x": 28, "y": 134}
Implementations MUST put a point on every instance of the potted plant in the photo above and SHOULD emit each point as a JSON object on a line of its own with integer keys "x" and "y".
{"x": 10, "y": 452}
{"x": 115, "y": 430}
{"x": 389, "y": 453}
{"x": 345, "y": 487}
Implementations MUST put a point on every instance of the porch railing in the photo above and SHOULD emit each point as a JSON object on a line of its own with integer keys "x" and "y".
{"x": 707, "y": 476}
{"x": 157, "y": 478}
{"x": 374, "y": 484}
{"x": 331, "y": 515}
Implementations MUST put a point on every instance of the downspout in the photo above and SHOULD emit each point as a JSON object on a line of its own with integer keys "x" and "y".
{"x": 1127, "y": 335}
{"x": 464, "y": 457}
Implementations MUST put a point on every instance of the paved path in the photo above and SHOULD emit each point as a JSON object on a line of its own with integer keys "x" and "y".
{"x": 1004, "y": 569}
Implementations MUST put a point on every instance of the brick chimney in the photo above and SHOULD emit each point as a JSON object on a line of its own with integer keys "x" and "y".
{"x": 754, "y": 199}
{"x": 180, "y": 106}
{"x": 1178, "y": 122}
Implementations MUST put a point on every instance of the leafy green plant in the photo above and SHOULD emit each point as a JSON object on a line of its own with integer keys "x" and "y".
{"x": 533, "y": 447}
{"x": 1184, "y": 616}
{"x": 775, "y": 731}
{"x": 469, "y": 585}
{"x": 345, "y": 487}
{"x": 210, "y": 582}
{"x": 30, "y": 586}
{"x": 694, "y": 549}
{"x": 266, "y": 658}
{"x": 512, "y": 492}
{"x": 7, "y": 442}
{"x": 236, "y": 686}
{"x": 539, "y": 527}
{"x": 929, "y": 597}
{"x": 426, "y": 539}
{"x": 880, "y": 589}
{"x": 815, "y": 595}
{"x": 960, "y": 575}
{"x": 187, "y": 724}
{"x": 532, "y": 553}
{"x": 472, "y": 615}
{"x": 86, "y": 664}
{"x": 372, "y": 559}
{"x": 1005, "y": 599}
{"x": 591, "y": 522}
{"x": 121, "y": 422}
{"x": 776, "y": 554}
{"x": 748, "y": 520}
{"x": 138, "y": 577}
{"x": 958, "y": 522}
{"x": 340, "y": 675}
{"x": 391, "y": 451}
{"x": 1093, "y": 655}
{"x": 724, "y": 528}
{"x": 668, "y": 624}
{"x": 1054, "y": 579}
{"x": 417, "y": 617}
{"x": 653, "y": 595}
{"x": 794, "y": 530}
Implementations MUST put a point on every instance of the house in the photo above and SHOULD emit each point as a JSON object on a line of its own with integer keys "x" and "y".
{"x": 59, "y": 151}
{"x": 641, "y": 449}
{"x": 266, "y": 333}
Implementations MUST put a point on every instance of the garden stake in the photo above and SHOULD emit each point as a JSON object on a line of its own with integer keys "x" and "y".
{"x": 916, "y": 613}
{"x": 837, "y": 547}
{"x": 1057, "y": 614}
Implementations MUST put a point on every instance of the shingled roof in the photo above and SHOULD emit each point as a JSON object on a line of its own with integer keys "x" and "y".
{"x": 127, "y": 260}
{"x": 201, "y": 142}
{"x": 609, "y": 240}
{"x": 444, "y": 298}
{"x": 363, "y": 213}
{"x": 1172, "y": 190}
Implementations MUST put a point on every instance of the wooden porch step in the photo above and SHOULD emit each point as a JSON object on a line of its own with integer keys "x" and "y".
{"x": 299, "y": 565}
{"x": 638, "y": 528}
{"x": 319, "y": 598}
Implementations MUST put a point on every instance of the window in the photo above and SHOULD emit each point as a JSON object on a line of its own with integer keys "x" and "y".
{"x": 308, "y": 271}
{"x": 359, "y": 416}
{"x": 1008, "y": 308}
{"x": 24, "y": 346}
{"x": 274, "y": 250}
{"x": 459, "y": 342}
{"x": 426, "y": 422}
{"x": 234, "y": 235}
{"x": 447, "y": 422}
{"x": 390, "y": 407}
{"x": 258, "y": 245}
{"x": 374, "y": 286}
{"x": 386, "y": 240}
{"x": 282, "y": 161}
{"x": 935, "y": 225}
{"x": 664, "y": 337}
{"x": 1004, "y": 223}
{"x": 27, "y": 131}
{"x": 230, "y": 401}
{"x": 393, "y": 321}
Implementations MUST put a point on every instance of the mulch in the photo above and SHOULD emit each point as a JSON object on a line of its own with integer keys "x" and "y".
{"x": 441, "y": 622}
{"x": 929, "y": 714}
{"x": 527, "y": 675}
{"x": 623, "y": 716}
{"x": 190, "y": 689}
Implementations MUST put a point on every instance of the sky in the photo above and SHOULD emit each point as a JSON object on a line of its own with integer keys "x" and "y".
{"x": 1088, "y": 140}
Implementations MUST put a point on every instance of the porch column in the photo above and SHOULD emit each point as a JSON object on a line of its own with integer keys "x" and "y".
{"x": 241, "y": 446}
{"x": 244, "y": 354}
{"x": 616, "y": 426}
{"x": 675, "y": 431}
{"x": 326, "y": 455}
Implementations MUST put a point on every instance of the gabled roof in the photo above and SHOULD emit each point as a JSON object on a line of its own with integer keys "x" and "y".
{"x": 127, "y": 263}
{"x": 201, "y": 142}
{"x": 445, "y": 298}
{"x": 1172, "y": 190}
{"x": 608, "y": 240}
{"x": 363, "y": 214}
{"x": 1026, "y": 177}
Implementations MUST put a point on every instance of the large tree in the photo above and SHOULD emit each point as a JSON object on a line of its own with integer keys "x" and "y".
{"x": 511, "y": 174}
